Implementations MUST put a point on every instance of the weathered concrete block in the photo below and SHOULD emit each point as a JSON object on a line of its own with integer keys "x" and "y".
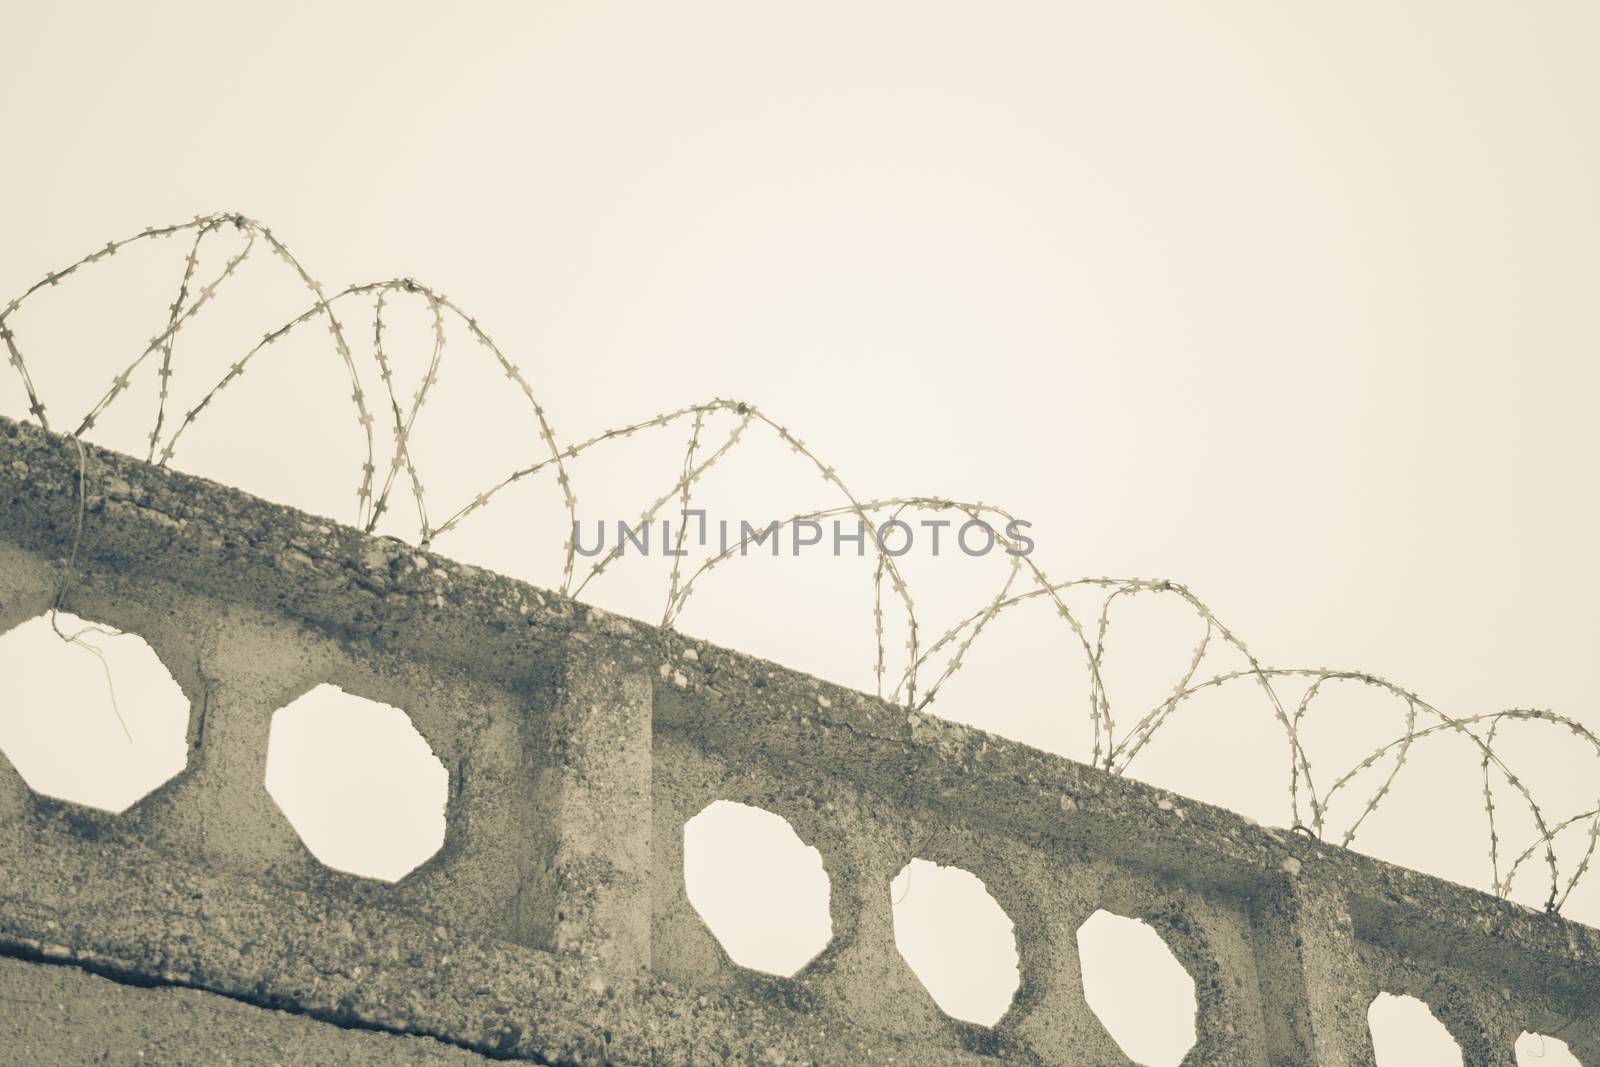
{"x": 553, "y": 925}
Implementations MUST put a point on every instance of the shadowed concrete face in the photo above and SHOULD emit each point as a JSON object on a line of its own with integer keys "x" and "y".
{"x": 554, "y": 922}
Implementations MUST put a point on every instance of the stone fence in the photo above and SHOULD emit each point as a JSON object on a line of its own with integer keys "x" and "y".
{"x": 553, "y": 924}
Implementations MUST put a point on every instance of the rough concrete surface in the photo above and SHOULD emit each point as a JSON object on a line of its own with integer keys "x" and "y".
{"x": 63, "y": 1017}
{"x": 553, "y": 925}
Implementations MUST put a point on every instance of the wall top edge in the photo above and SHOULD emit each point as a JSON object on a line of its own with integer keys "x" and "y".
{"x": 140, "y": 520}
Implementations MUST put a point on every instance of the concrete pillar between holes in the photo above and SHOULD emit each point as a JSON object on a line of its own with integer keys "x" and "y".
{"x": 597, "y": 782}
{"x": 1313, "y": 991}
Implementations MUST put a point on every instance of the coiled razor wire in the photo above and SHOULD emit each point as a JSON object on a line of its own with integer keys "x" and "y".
{"x": 939, "y": 660}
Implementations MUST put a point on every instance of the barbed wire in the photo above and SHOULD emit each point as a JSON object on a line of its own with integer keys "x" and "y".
{"x": 1025, "y": 581}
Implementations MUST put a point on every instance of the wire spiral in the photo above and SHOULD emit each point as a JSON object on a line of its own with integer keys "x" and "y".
{"x": 928, "y": 666}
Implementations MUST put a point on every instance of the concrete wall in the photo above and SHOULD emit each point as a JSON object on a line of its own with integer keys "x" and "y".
{"x": 553, "y": 924}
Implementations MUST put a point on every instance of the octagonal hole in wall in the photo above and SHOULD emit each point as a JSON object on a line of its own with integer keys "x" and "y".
{"x": 1406, "y": 1033}
{"x": 1137, "y": 989}
{"x": 358, "y": 783}
{"x": 956, "y": 938}
{"x": 760, "y": 890}
{"x": 1542, "y": 1050}
{"x": 89, "y": 713}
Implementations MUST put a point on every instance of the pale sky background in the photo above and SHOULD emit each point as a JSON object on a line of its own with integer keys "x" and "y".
{"x": 1291, "y": 303}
